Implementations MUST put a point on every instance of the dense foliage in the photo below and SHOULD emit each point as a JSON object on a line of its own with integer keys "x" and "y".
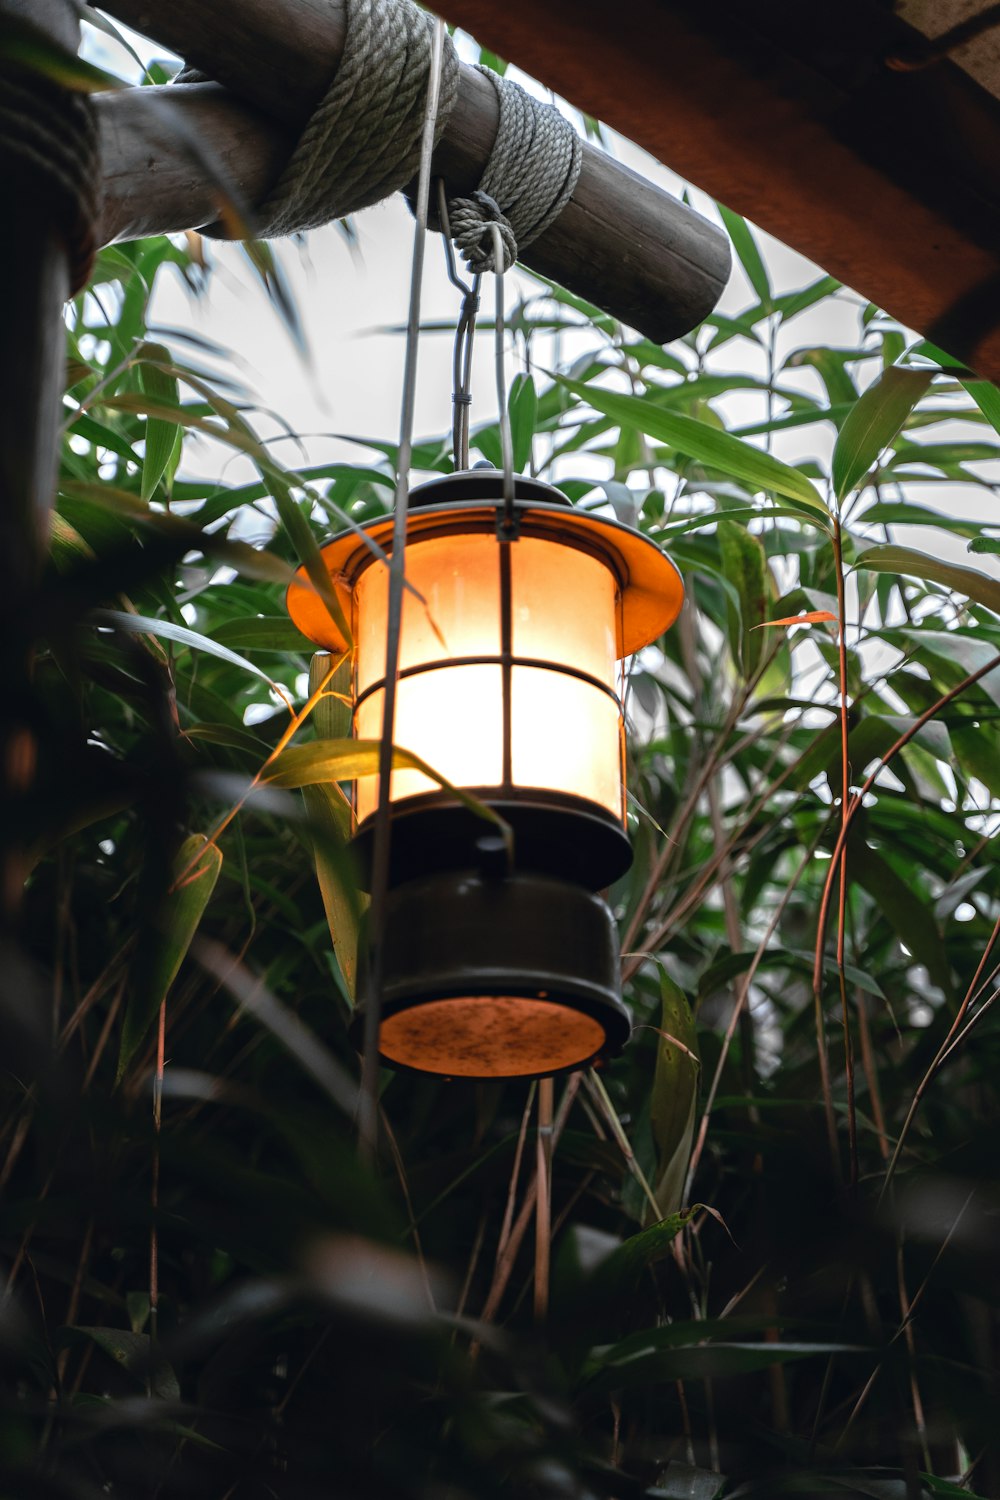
{"x": 209, "y": 1294}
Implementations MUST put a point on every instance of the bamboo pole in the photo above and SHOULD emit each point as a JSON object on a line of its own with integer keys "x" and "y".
{"x": 34, "y": 268}
{"x": 621, "y": 242}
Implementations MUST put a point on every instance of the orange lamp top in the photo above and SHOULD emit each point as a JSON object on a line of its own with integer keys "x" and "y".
{"x": 651, "y": 590}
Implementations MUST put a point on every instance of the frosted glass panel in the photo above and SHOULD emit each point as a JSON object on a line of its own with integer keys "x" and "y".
{"x": 459, "y": 579}
{"x": 563, "y": 607}
{"x": 452, "y": 718}
{"x": 566, "y": 737}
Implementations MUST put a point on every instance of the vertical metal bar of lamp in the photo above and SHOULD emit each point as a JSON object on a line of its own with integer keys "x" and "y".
{"x": 368, "y": 1105}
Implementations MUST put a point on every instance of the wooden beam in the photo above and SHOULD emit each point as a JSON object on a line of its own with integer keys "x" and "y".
{"x": 833, "y": 156}
{"x": 621, "y": 243}
{"x": 165, "y": 151}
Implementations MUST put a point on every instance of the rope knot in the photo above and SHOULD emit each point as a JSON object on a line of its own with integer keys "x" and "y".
{"x": 471, "y": 228}
{"x": 529, "y": 179}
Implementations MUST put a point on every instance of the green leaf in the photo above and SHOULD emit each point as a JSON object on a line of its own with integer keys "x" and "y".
{"x": 147, "y": 625}
{"x": 987, "y": 398}
{"x": 133, "y": 1352}
{"x": 618, "y": 1274}
{"x": 101, "y": 436}
{"x": 262, "y": 633}
{"x": 744, "y": 563}
{"x": 877, "y": 417}
{"x": 749, "y": 256}
{"x": 26, "y": 46}
{"x": 523, "y": 406}
{"x": 336, "y": 760}
{"x": 346, "y": 759}
{"x": 674, "y": 1097}
{"x": 252, "y": 562}
{"x": 896, "y": 899}
{"x": 792, "y": 303}
{"x": 967, "y": 581}
{"x": 660, "y": 1364}
{"x": 67, "y": 547}
{"x": 831, "y": 367}
{"x": 195, "y": 878}
{"x": 157, "y": 382}
{"x": 700, "y": 441}
{"x": 331, "y": 825}
{"x": 729, "y": 513}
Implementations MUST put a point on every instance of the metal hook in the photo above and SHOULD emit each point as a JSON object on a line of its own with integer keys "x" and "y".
{"x": 464, "y": 336}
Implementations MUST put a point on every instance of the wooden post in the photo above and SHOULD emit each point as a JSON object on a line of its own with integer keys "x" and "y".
{"x": 621, "y": 243}
{"x": 35, "y": 274}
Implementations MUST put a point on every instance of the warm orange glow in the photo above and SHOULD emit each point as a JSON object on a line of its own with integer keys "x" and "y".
{"x": 565, "y": 734}
{"x": 453, "y": 719}
{"x": 490, "y": 1036}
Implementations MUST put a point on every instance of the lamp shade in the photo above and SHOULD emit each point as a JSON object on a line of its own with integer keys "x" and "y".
{"x": 509, "y": 687}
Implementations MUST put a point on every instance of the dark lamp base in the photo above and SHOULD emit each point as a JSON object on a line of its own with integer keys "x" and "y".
{"x": 498, "y": 976}
{"x": 554, "y": 834}
{"x": 491, "y": 1036}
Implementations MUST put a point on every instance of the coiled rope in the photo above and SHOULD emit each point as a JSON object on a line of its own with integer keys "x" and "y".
{"x": 49, "y": 148}
{"x": 362, "y": 142}
{"x": 529, "y": 179}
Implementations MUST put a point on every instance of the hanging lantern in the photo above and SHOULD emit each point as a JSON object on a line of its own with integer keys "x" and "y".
{"x": 509, "y": 687}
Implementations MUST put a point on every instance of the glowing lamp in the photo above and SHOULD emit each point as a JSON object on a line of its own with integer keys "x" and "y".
{"x": 510, "y": 688}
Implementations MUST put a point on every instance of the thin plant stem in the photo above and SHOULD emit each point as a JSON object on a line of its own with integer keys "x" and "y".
{"x": 297, "y": 720}
{"x": 154, "y": 1241}
{"x": 505, "y": 1262}
{"x": 600, "y": 1093}
{"x": 515, "y": 1172}
{"x": 954, "y": 1030}
{"x": 543, "y": 1200}
{"x": 741, "y": 1001}
{"x": 857, "y": 799}
{"x": 842, "y": 875}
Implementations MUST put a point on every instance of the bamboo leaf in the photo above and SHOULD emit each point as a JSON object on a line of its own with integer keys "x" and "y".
{"x": 875, "y": 420}
{"x": 133, "y": 1352}
{"x": 347, "y": 759}
{"x": 745, "y": 565}
{"x": 987, "y": 398}
{"x": 185, "y": 907}
{"x": 26, "y": 46}
{"x": 811, "y": 617}
{"x": 523, "y": 407}
{"x": 331, "y": 824}
{"x": 698, "y": 440}
{"x": 967, "y": 581}
{"x": 146, "y": 625}
{"x": 700, "y": 1361}
{"x": 262, "y": 633}
{"x": 158, "y": 383}
{"x": 749, "y": 256}
{"x": 674, "y": 1100}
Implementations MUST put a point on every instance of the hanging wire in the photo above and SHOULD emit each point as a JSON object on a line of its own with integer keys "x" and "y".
{"x": 509, "y": 522}
{"x": 368, "y": 1104}
{"x": 465, "y": 335}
